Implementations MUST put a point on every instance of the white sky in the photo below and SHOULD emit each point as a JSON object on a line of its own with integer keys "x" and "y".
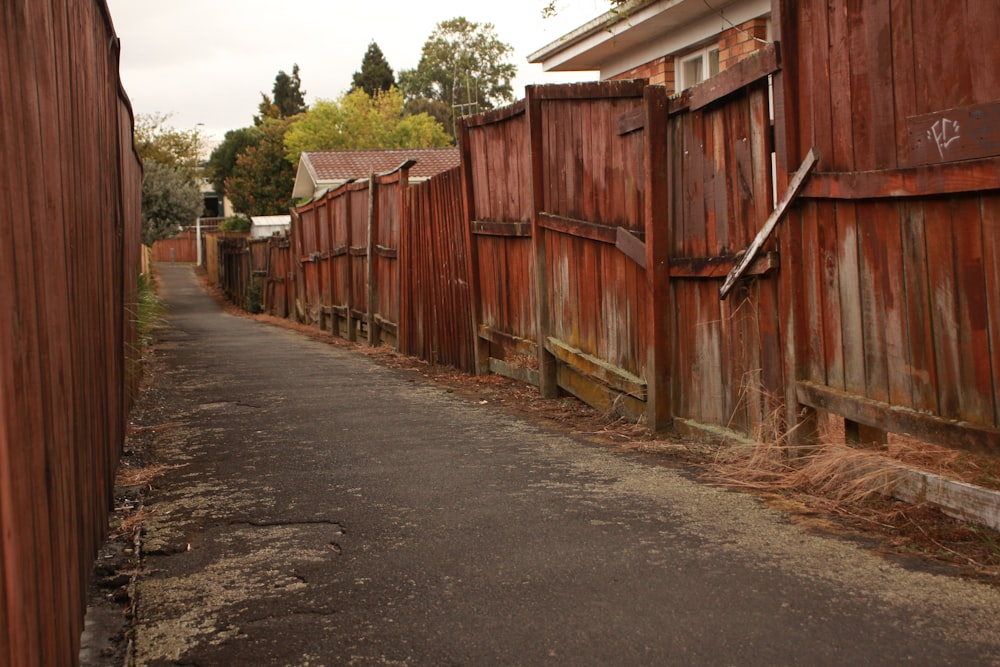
{"x": 207, "y": 61}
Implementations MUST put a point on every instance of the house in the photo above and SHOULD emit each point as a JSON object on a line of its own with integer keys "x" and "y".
{"x": 319, "y": 171}
{"x": 676, "y": 43}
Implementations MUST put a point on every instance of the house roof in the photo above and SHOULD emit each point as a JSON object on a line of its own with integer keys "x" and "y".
{"x": 320, "y": 170}
{"x": 641, "y": 31}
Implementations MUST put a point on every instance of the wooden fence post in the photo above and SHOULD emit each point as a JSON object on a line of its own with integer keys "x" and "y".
{"x": 373, "y": 328}
{"x": 547, "y": 381}
{"x": 480, "y": 347}
{"x": 404, "y": 261}
{"x": 352, "y": 322}
{"x": 659, "y": 404}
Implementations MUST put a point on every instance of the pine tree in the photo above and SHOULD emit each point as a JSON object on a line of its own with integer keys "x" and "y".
{"x": 375, "y": 75}
{"x": 288, "y": 94}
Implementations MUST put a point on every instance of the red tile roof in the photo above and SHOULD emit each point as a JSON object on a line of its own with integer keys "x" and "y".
{"x": 332, "y": 166}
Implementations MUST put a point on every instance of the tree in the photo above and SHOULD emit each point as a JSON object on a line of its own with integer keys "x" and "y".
{"x": 288, "y": 94}
{"x": 223, "y": 159}
{"x": 288, "y": 97}
{"x": 171, "y": 172}
{"x": 356, "y": 121}
{"x": 170, "y": 199}
{"x": 462, "y": 66}
{"x": 156, "y": 140}
{"x": 261, "y": 182}
{"x": 375, "y": 74}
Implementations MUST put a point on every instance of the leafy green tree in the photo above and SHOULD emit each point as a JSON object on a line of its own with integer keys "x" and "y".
{"x": 170, "y": 199}
{"x": 235, "y": 223}
{"x": 156, "y": 140}
{"x": 375, "y": 74}
{"x": 223, "y": 159}
{"x": 171, "y": 172}
{"x": 356, "y": 121}
{"x": 261, "y": 182}
{"x": 266, "y": 110}
{"x": 463, "y": 67}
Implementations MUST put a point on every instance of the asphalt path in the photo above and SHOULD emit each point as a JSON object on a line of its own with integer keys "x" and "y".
{"x": 321, "y": 509}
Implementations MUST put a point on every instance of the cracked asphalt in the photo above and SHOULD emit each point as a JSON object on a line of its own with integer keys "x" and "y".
{"x": 320, "y": 509}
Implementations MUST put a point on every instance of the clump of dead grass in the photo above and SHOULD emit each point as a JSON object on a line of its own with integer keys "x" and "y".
{"x": 832, "y": 470}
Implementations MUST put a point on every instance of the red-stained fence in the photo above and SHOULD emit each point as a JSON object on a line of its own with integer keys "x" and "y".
{"x": 436, "y": 322}
{"x": 383, "y": 259}
{"x": 588, "y": 184}
{"x": 70, "y": 194}
{"x": 496, "y": 166}
{"x": 891, "y": 263}
{"x": 726, "y": 364}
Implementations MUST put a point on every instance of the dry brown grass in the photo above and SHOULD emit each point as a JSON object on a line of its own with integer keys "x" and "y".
{"x": 128, "y": 477}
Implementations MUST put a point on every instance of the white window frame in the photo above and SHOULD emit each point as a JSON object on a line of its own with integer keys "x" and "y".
{"x": 705, "y": 54}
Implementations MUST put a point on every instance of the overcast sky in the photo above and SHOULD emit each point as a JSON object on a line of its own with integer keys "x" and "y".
{"x": 207, "y": 61}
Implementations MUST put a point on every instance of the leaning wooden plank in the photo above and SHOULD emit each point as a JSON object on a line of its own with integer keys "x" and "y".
{"x": 794, "y": 186}
{"x": 896, "y": 419}
{"x": 581, "y": 228}
{"x": 589, "y": 365}
{"x": 632, "y": 246}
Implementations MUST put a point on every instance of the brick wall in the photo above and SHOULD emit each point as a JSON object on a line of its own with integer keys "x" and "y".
{"x": 659, "y": 72}
{"x": 736, "y": 43}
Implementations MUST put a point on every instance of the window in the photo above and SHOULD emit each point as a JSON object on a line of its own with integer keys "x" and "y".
{"x": 698, "y": 66}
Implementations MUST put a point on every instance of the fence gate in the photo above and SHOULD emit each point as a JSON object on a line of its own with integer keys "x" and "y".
{"x": 726, "y": 356}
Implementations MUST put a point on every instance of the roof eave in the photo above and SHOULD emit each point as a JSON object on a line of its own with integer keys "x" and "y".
{"x": 594, "y": 28}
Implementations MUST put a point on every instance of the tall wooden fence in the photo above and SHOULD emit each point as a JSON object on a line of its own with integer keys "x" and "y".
{"x": 588, "y": 187}
{"x": 726, "y": 364}
{"x": 70, "y": 199}
{"x": 891, "y": 265}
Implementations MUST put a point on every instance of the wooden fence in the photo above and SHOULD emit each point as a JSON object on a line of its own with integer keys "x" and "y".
{"x": 383, "y": 260}
{"x": 496, "y": 174}
{"x": 638, "y": 252}
{"x": 891, "y": 264}
{"x": 436, "y": 319}
{"x": 180, "y": 248}
{"x": 70, "y": 199}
